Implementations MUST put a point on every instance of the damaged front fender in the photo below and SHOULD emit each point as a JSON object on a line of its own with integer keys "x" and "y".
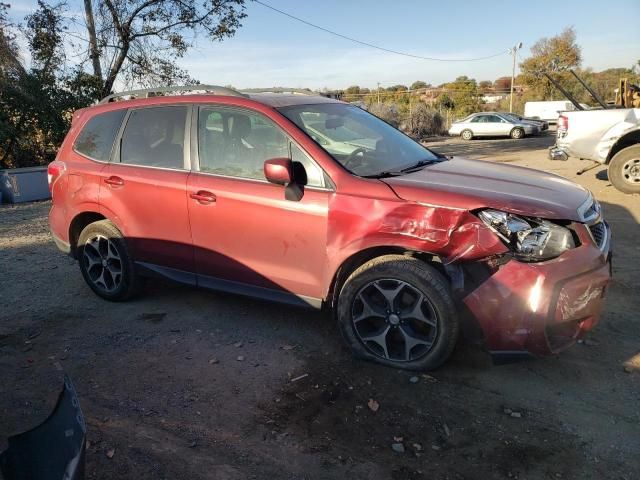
{"x": 453, "y": 235}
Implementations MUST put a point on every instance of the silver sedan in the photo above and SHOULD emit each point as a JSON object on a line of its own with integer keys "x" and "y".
{"x": 491, "y": 124}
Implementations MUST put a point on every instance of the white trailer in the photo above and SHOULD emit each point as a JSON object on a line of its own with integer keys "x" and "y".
{"x": 549, "y": 110}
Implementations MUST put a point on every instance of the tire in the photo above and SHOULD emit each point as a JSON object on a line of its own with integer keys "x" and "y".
{"x": 624, "y": 170}
{"x": 400, "y": 338}
{"x": 102, "y": 253}
{"x": 517, "y": 133}
{"x": 467, "y": 135}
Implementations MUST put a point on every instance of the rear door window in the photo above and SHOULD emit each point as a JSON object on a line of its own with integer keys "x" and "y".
{"x": 96, "y": 138}
{"x": 154, "y": 137}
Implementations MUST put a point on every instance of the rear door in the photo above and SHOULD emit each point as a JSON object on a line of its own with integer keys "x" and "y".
{"x": 248, "y": 237}
{"x": 144, "y": 188}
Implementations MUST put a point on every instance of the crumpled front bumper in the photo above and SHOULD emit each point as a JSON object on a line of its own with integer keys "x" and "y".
{"x": 557, "y": 153}
{"x": 543, "y": 308}
{"x": 53, "y": 450}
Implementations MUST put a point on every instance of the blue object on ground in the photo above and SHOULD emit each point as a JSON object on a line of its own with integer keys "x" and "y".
{"x": 24, "y": 184}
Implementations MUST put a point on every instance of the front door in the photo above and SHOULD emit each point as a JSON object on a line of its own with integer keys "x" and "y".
{"x": 248, "y": 237}
{"x": 144, "y": 188}
{"x": 498, "y": 126}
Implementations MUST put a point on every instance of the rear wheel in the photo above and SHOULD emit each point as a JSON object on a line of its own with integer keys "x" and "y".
{"x": 624, "y": 170}
{"x": 467, "y": 135}
{"x": 398, "y": 311}
{"x": 105, "y": 262}
{"x": 517, "y": 133}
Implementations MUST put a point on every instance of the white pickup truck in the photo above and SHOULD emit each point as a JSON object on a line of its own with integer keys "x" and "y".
{"x": 610, "y": 137}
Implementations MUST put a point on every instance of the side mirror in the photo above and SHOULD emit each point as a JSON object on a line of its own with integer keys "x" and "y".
{"x": 279, "y": 171}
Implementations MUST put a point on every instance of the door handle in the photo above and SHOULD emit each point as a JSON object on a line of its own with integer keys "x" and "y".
{"x": 114, "y": 181}
{"x": 203, "y": 197}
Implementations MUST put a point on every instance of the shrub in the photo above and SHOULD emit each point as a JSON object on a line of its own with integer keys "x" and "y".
{"x": 424, "y": 122}
{"x": 387, "y": 112}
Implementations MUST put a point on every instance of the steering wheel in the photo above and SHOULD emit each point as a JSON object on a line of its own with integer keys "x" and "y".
{"x": 352, "y": 156}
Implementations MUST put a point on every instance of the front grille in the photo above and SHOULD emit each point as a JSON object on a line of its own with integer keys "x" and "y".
{"x": 599, "y": 233}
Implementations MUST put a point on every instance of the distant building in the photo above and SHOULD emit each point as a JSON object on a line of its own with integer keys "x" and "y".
{"x": 493, "y": 97}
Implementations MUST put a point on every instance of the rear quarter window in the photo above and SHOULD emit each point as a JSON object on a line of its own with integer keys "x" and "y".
{"x": 97, "y": 136}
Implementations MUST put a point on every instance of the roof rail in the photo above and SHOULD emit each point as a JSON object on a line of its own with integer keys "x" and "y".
{"x": 161, "y": 91}
{"x": 285, "y": 90}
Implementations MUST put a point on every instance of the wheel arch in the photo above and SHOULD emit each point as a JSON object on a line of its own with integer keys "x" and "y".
{"x": 627, "y": 140}
{"x": 79, "y": 222}
{"x": 353, "y": 262}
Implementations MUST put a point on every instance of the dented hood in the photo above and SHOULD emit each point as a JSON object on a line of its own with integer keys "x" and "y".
{"x": 473, "y": 184}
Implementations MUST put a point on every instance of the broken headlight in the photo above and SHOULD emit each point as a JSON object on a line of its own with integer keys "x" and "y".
{"x": 531, "y": 239}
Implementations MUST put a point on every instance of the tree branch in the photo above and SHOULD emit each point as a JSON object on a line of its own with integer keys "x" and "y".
{"x": 172, "y": 25}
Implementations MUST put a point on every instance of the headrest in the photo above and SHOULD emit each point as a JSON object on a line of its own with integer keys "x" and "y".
{"x": 240, "y": 126}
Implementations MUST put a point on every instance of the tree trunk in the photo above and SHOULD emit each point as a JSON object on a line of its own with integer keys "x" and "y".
{"x": 115, "y": 69}
{"x": 94, "y": 54}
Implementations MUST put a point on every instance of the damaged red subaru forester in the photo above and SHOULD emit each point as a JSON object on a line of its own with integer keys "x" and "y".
{"x": 310, "y": 201}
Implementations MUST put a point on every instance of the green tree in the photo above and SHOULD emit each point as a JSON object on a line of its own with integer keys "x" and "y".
{"x": 444, "y": 102}
{"x": 397, "y": 88}
{"x": 485, "y": 86}
{"x": 554, "y": 56}
{"x": 418, "y": 84}
{"x": 465, "y": 96}
{"x": 351, "y": 94}
{"x": 36, "y": 103}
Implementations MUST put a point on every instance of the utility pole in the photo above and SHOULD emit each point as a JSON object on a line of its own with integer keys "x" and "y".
{"x": 513, "y": 51}
{"x": 378, "y": 93}
{"x": 93, "y": 41}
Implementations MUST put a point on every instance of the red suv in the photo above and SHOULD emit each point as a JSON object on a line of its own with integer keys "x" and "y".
{"x": 310, "y": 201}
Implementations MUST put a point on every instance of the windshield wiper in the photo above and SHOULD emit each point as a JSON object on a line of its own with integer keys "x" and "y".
{"x": 385, "y": 174}
{"x": 394, "y": 173}
{"x": 417, "y": 166}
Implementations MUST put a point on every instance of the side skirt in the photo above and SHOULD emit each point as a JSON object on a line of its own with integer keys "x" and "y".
{"x": 228, "y": 286}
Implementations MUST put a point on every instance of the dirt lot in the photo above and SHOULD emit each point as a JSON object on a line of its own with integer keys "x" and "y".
{"x": 187, "y": 384}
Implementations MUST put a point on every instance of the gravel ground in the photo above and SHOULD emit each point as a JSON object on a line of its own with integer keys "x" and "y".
{"x": 189, "y": 384}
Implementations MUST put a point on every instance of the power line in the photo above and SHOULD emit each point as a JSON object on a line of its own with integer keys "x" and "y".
{"x": 377, "y": 47}
{"x": 434, "y": 91}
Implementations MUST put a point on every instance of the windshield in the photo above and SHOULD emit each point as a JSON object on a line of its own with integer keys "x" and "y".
{"x": 511, "y": 117}
{"x": 361, "y": 142}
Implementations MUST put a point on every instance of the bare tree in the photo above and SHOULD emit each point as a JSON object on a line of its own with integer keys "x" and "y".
{"x": 9, "y": 59}
{"x": 388, "y": 112}
{"x": 139, "y": 41}
{"x": 94, "y": 52}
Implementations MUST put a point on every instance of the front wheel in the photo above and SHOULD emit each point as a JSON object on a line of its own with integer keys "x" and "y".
{"x": 517, "y": 133}
{"x": 398, "y": 311}
{"x": 624, "y": 170}
{"x": 105, "y": 262}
